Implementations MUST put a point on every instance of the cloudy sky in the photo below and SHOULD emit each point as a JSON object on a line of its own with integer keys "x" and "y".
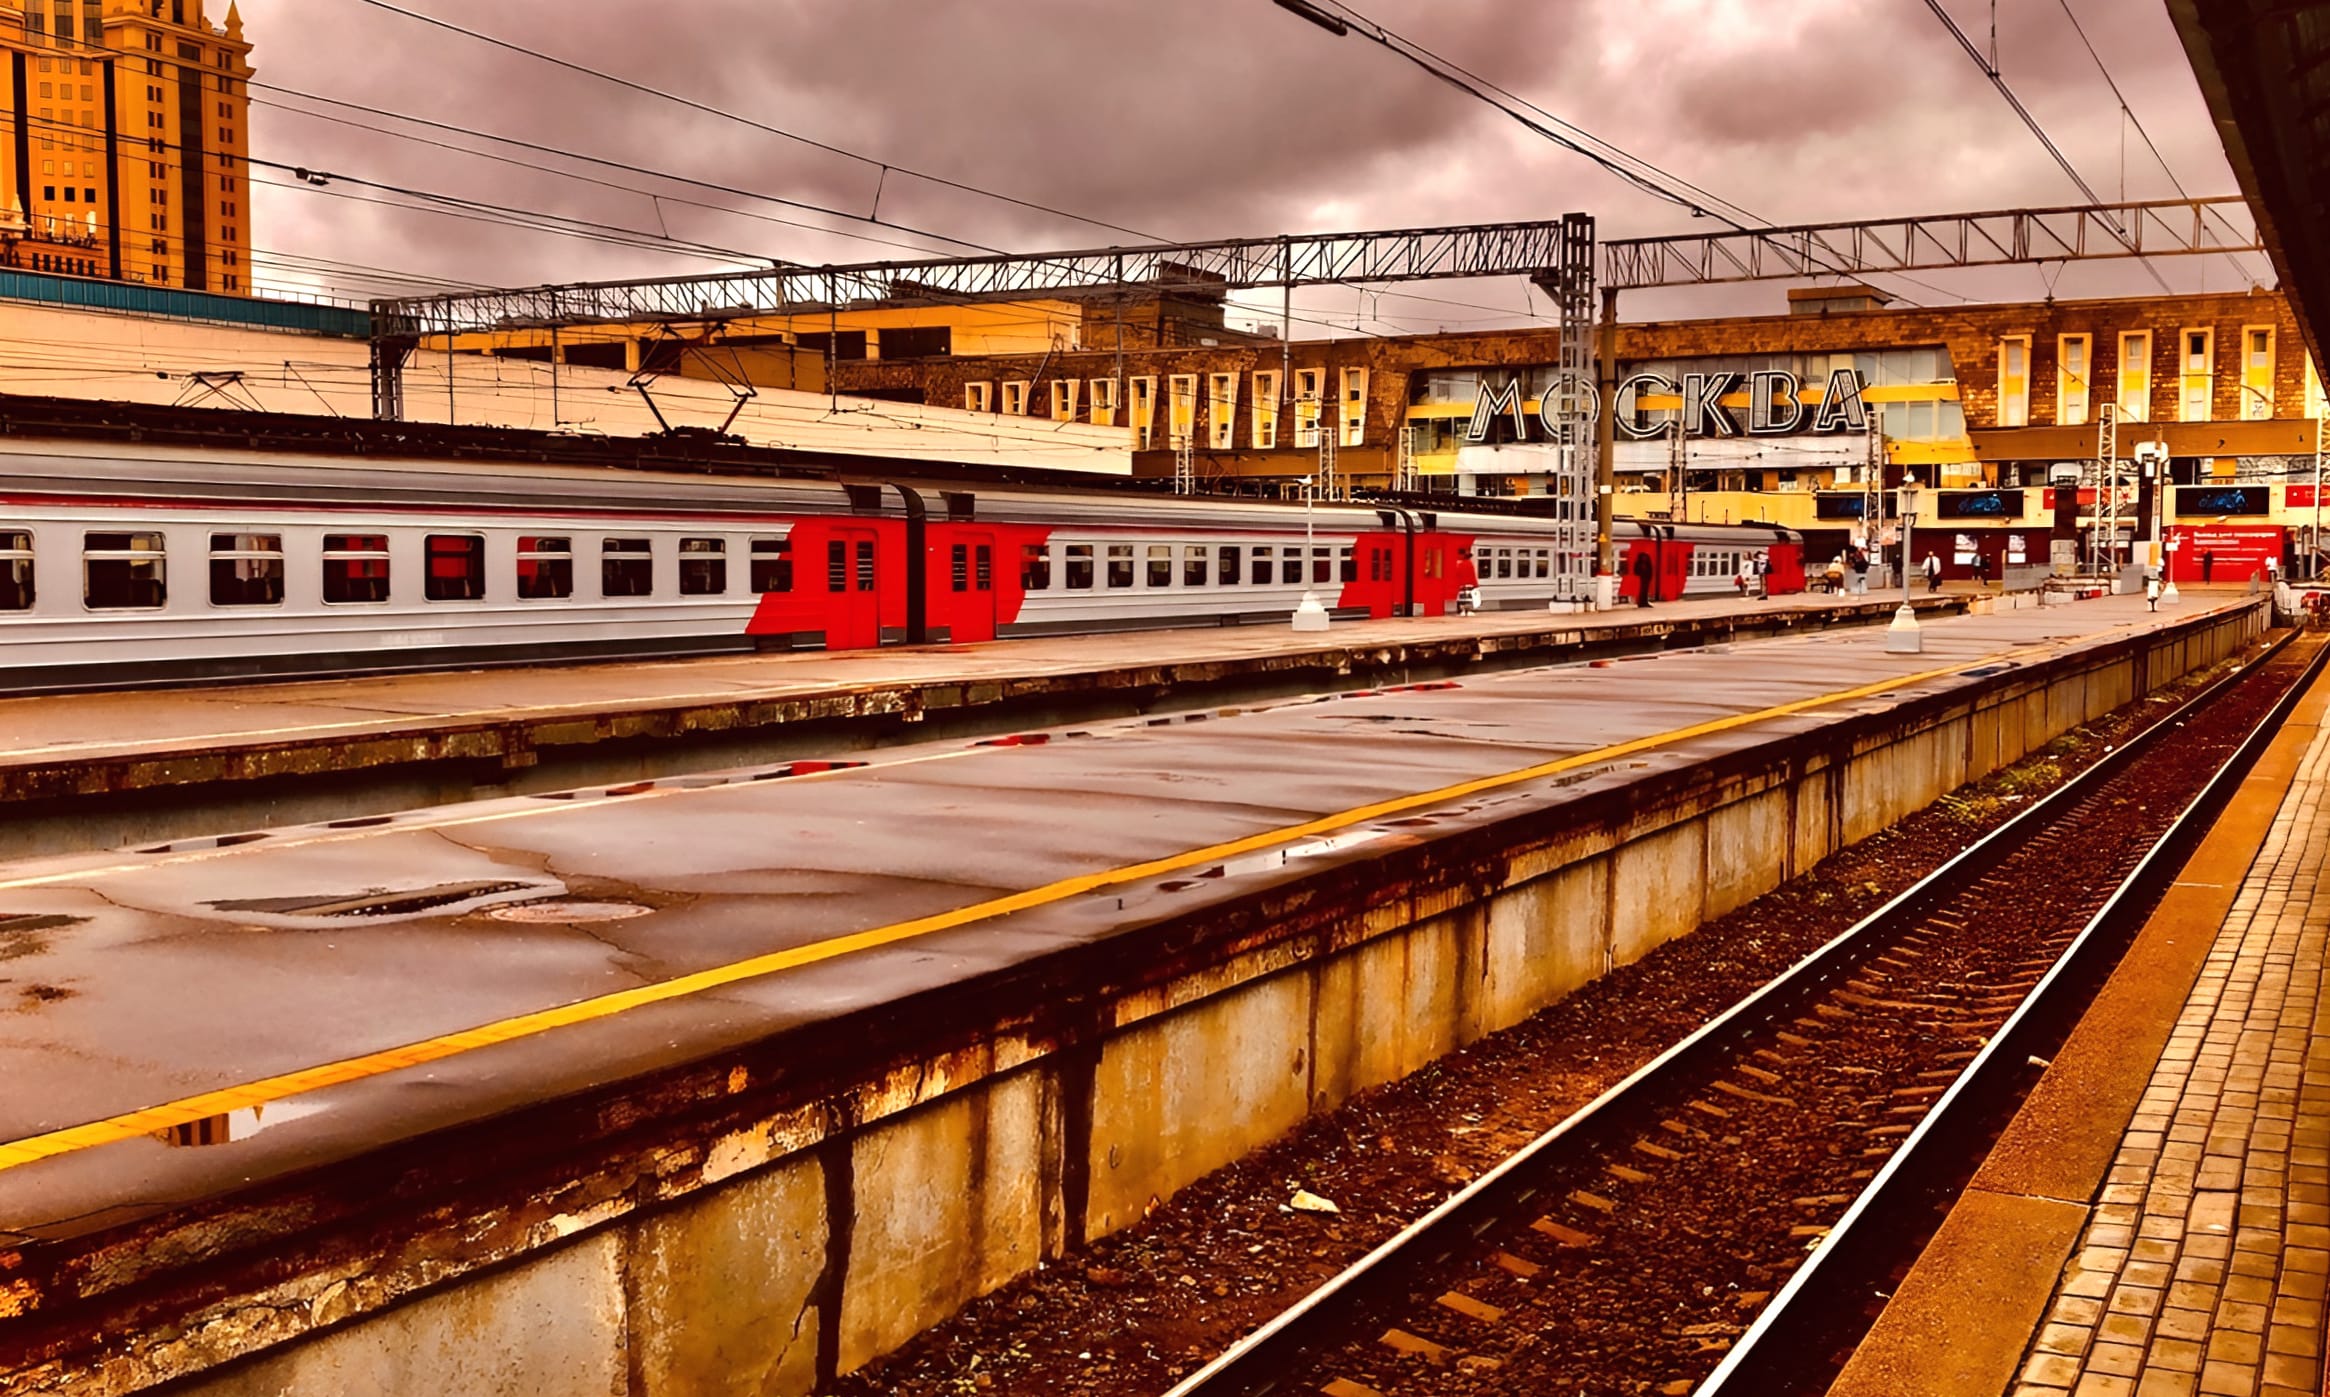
{"x": 1186, "y": 120}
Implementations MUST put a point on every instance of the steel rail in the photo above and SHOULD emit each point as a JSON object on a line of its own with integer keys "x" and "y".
{"x": 1258, "y": 1363}
{"x": 1950, "y": 1138}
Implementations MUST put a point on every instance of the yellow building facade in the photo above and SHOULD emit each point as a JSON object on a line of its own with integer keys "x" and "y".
{"x": 127, "y": 140}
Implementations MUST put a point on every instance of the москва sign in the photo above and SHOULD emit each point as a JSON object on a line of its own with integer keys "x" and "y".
{"x": 1775, "y": 406}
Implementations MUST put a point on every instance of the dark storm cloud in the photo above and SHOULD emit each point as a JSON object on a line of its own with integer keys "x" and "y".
{"x": 1197, "y": 118}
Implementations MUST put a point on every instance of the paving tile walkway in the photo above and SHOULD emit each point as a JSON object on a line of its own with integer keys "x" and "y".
{"x": 2203, "y": 1265}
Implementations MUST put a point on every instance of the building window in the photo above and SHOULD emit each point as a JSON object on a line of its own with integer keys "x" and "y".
{"x": 1144, "y": 411}
{"x": 2073, "y": 369}
{"x": 1310, "y": 387}
{"x": 2196, "y": 369}
{"x": 2135, "y": 396}
{"x": 545, "y": 567}
{"x": 1180, "y": 410}
{"x": 2014, "y": 381}
{"x": 246, "y": 569}
{"x": 1266, "y": 386}
{"x": 703, "y": 567}
{"x": 979, "y": 397}
{"x": 1103, "y": 402}
{"x": 626, "y": 567}
{"x": 1221, "y": 411}
{"x": 2256, "y": 372}
{"x": 1354, "y": 406}
{"x": 1015, "y": 397}
{"x": 355, "y": 568}
{"x": 15, "y": 570}
{"x": 1065, "y": 393}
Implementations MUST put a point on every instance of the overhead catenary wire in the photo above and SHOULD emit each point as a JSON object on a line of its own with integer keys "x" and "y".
{"x": 1633, "y": 170}
{"x": 2128, "y": 113}
{"x": 1990, "y": 70}
{"x": 884, "y": 166}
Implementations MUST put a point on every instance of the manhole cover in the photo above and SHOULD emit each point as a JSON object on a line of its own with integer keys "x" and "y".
{"x": 568, "y": 912}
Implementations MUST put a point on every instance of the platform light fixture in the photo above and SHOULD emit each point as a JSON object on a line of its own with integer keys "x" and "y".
{"x": 1903, "y": 637}
{"x": 1311, "y": 615}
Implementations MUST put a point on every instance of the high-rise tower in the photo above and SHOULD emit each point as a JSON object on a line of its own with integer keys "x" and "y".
{"x": 127, "y": 131}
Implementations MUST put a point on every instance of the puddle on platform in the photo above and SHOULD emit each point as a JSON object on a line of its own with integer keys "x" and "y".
{"x": 561, "y": 913}
{"x": 230, "y": 1126}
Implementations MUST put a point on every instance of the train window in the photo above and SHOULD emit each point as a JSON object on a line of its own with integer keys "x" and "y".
{"x": 545, "y": 567}
{"x": 865, "y": 565}
{"x": 1347, "y": 563}
{"x": 456, "y": 570}
{"x": 703, "y": 567}
{"x": 626, "y": 567}
{"x": 355, "y": 567}
{"x": 1120, "y": 565}
{"x": 836, "y": 566}
{"x": 1323, "y": 564}
{"x": 983, "y": 570}
{"x": 1432, "y": 561}
{"x": 1195, "y": 564}
{"x": 1226, "y": 565}
{"x": 772, "y": 565}
{"x": 123, "y": 571}
{"x": 1545, "y": 562}
{"x": 1035, "y": 567}
{"x": 1504, "y": 562}
{"x": 1379, "y": 566}
{"x": 960, "y": 577}
{"x": 1160, "y": 564}
{"x": 15, "y": 570}
{"x": 1262, "y": 567}
{"x": 1079, "y": 567}
{"x": 246, "y": 569}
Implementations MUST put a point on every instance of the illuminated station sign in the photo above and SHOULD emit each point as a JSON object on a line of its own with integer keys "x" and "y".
{"x": 1775, "y": 406}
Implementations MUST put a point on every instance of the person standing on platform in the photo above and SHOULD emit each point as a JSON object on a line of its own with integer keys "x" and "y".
{"x": 2151, "y": 589}
{"x": 2208, "y": 563}
{"x": 1645, "y": 577}
{"x": 1858, "y": 560}
{"x": 1933, "y": 573}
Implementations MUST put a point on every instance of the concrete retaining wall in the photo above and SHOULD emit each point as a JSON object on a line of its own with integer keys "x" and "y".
{"x": 759, "y": 1251}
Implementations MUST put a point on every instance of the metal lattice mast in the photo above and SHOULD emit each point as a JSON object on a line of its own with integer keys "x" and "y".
{"x": 1185, "y": 462}
{"x": 1406, "y": 479}
{"x": 1678, "y": 460}
{"x": 2107, "y": 490}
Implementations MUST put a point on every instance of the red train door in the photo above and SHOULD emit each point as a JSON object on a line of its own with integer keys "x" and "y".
{"x": 971, "y": 587}
{"x": 854, "y": 614}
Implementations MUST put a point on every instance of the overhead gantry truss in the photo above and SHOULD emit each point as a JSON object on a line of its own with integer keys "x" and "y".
{"x": 1555, "y": 248}
{"x": 2078, "y": 233}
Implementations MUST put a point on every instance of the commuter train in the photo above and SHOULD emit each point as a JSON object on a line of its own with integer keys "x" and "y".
{"x": 122, "y": 565}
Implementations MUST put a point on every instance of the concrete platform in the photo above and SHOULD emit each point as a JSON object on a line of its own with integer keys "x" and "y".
{"x": 133, "y": 767}
{"x": 263, "y": 1086}
{"x": 2156, "y": 1219}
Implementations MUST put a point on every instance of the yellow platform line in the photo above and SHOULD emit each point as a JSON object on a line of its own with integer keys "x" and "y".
{"x": 267, "y": 1090}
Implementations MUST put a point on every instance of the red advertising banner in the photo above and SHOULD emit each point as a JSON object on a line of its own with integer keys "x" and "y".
{"x": 2210, "y": 553}
{"x": 2300, "y": 497}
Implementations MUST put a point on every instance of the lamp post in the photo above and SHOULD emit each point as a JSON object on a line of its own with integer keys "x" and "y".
{"x": 1903, "y": 636}
{"x": 2152, "y": 459}
{"x": 1310, "y": 616}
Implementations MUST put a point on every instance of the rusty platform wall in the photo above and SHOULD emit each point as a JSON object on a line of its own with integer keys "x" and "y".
{"x": 757, "y": 1243}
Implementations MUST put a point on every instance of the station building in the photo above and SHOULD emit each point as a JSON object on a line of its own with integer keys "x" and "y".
{"x": 1788, "y": 418}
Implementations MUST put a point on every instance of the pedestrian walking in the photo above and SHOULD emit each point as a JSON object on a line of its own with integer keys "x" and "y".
{"x": 1933, "y": 573}
{"x": 1645, "y": 577}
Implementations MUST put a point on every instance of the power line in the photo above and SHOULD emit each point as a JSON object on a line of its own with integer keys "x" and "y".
{"x": 888, "y": 167}
{"x": 559, "y": 152}
{"x": 1634, "y": 170}
{"x": 1998, "y": 80}
{"x": 2129, "y": 114}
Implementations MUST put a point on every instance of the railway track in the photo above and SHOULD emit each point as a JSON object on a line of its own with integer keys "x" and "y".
{"x": 1728, "y": 1218}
